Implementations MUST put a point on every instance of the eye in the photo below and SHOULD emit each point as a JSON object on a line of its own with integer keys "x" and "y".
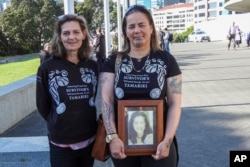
{"x": 142, "y": 25}
{"x": 65, "y": 33}
{"x": 131, "y": 26}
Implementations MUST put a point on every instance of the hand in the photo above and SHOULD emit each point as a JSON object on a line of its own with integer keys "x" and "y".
{"x": 117, "y": 148}
{"x": 162, "y": 151}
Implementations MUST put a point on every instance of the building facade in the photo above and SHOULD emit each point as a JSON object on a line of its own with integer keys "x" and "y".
{"x": 172, "y": 2}
{"x": 206, "y": 10}
{"x": 177, "y": 18}
{"x": 151, "y": 4}
{"x": 156, "y": 4}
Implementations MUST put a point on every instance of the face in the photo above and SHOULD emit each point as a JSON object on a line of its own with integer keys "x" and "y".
{"x": 72, "y": 36}
{"x": 139, "y": 125}
{"x": 138, "y": 30}
{"x": 48, "y": 48}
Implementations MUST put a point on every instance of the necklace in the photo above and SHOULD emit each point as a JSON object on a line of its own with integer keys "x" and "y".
{"x": 139, "y": 61}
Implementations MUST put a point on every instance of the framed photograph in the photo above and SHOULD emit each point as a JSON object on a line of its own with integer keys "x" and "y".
{"x": 140, "y": 125}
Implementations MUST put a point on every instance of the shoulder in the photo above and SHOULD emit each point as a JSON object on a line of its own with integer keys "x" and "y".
{"x": 92, "y": 63}
{"x": 51, "y": 62}
{"x": 167, "y": 58}
{"x": 160, "y": 53}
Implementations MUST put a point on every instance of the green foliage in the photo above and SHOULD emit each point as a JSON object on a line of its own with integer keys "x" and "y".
{"x": 3, "y": 44}
{"x": 178, "y": 37}
{"x": 181, "y": 37}
{"x": 15, "y": 71}
{"x": 93, "y": 11}
{"x": 28, "y": 24}
{"x": 188, "y": 31}
{"x": 86, "y": 10}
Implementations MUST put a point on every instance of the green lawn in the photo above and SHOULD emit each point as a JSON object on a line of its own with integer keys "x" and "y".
{"x": 11, "y": 72}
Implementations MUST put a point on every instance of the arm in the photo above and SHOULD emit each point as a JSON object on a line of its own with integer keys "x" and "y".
{"x": 106, "y": 82}
{"x": 174, "y": 111}
{"x": 43, "y": 99}
{"x": 174, "y": 91}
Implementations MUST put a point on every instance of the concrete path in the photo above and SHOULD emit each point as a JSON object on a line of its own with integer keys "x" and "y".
{"x": 215, "y": 108}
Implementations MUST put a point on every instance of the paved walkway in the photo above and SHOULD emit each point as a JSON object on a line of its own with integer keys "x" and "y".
{"x": 10, "y": 59}
{"x": 215, "y": 109}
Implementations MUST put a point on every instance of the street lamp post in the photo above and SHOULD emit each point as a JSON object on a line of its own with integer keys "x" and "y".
{"x": 8, "y": 50}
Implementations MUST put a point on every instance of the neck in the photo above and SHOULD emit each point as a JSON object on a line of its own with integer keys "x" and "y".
{"x": 139, "y": 53}
{"x": 72, "y": 57}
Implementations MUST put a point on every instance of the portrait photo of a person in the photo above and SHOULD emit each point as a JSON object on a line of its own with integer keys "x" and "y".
{"x": 139, "y": 129}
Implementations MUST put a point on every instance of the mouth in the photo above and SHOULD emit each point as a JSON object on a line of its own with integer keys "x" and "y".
{"x": 140, "y": 37}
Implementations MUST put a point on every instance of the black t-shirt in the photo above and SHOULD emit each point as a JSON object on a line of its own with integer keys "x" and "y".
{"x": 150, "y": 82}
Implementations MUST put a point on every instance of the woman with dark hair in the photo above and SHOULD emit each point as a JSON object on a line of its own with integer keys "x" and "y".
{"x": 139, "y": 130}
{"x": 65, "y": 92}
{"x": 145, "y": 72}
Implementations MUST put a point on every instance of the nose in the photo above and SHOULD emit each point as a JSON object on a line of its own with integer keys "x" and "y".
{"x": 137, "y": 29}
{"x": 71, "y": 36}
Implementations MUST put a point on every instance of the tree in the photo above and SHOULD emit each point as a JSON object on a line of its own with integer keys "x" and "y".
{"x": 3, "y": 44}
{"x": 87, "y": 9}
{"x": 28, "y": 23}
{"x": 94, "y": 13}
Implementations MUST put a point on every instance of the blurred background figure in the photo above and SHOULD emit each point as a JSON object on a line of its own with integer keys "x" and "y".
{"x": 238, "y": 36}
{"x": 166, "y": 40}
{"x": 46, "y": 52}
{"x": 231, "y": 35}
{"x": 161, "y": 38}
{"x": 248, "y": 39}
{"x": 99, "y": 45}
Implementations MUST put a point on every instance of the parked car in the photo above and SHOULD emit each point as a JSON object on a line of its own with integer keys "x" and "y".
{"x": 198, "y": 36}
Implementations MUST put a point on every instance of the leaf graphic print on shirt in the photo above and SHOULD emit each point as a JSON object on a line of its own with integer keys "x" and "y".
{"x": 88, "y": 76}
{"x": 148, "y": 82}
{"x": 56, "y": 79}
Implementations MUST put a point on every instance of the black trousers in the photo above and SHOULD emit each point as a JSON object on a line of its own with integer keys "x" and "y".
{"x": 149, "y": 161}
{"x": 66, "y": 157}
{"x": 231, "y": 39}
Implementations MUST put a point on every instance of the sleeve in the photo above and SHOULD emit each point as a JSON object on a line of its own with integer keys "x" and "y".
{"x": 174, "y": 68}
{"x": 43, "y": 98}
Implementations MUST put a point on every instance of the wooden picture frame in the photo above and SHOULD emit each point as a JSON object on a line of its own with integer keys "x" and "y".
{"x": 149, "y": 133}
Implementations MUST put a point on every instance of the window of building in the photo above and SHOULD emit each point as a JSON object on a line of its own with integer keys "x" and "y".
{"x": 212, "y": 5}
{"x": 201, "y": 7}
{"x": 212, "y": 14}
{"x": 202, "y": 15}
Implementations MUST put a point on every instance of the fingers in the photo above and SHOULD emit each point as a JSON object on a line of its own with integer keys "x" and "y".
{"x": 157, "y": 155}
{"x": 161, "y": 152}
{"x": 119, "y": 155}
{"x": 117, "y": 149}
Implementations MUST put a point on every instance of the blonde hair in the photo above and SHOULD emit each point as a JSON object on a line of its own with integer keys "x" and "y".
{"x": 58, "y": 49}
